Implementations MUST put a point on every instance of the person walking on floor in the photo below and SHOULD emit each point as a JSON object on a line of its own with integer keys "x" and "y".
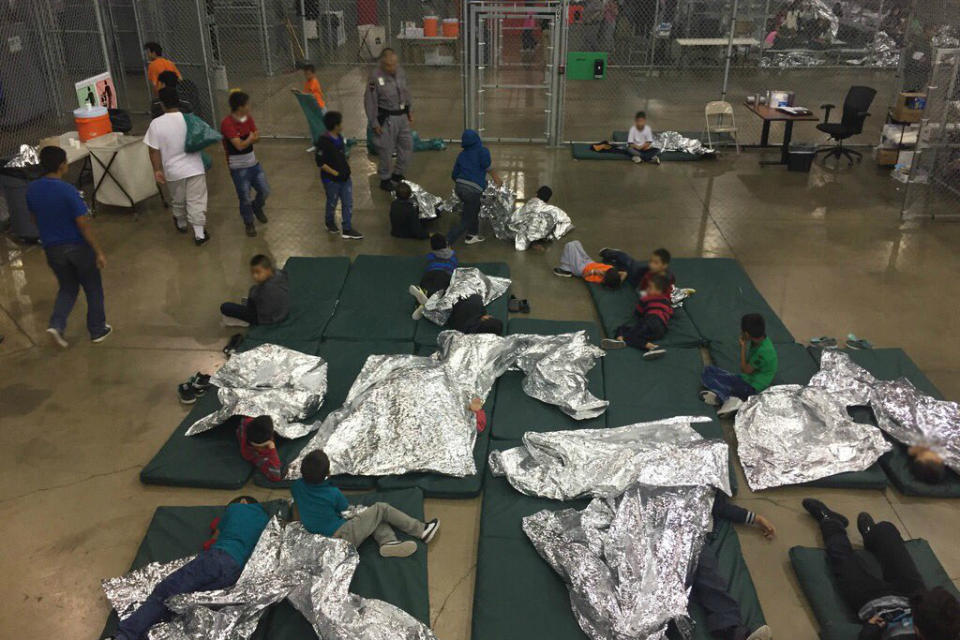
{"x": 239, "y": 135}
{"x": 387, "y": 104}
{"x": 73, "y": 252}
{"x": 331, "y": 157}
{"x": 182, "y": 172}
{"x": 469, "y": 181}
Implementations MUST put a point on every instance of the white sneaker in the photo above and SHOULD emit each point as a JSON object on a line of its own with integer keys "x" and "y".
{"x": 656, "y": 160}
{"x": 398, "y": 549}
{"x": 473, "y": 239}
{"x": 654, "y": 354}
{"x": 612, "y": 344}
{"x": 58, "y": 338}
{"x": 763, "y": 633}
{"x": 417, "y": 313}
{"x": 636, "y": 159}
{"x": 731, "y": 406}
{"x": 430, "y": 530}
{"x": 418, "y": 293}
{"x": 227, "y": 321}
{"x": 710, "y": 398}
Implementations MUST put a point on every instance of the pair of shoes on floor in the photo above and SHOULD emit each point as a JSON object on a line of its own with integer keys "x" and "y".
{"x": 853, "y": 342}
{"x": 195, "y": 387}
{"x": 516, "y": 305}
{"x": 398, "y": 549}
{"x": 821, "y": 512}
{"x": 824, "y": 342}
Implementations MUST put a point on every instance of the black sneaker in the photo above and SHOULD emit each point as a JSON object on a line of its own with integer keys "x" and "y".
{"x": 202, "y": 241}
{"x": 177, "y": 226}
{"x": 397, "y": 178}
{"x": 430, "y": 530}
{"x": 232, "y": 344}
{"x": 261, "y": 216}
{"x": 186, "y": 393}
{"x": 562, "y": 273}
{"x": 251, "y": 230}
{"x": 351, "y": 234}
{"x": 388, "y": 185}
{"x": 332, "y": 227}
{"x": 100, "y": 337}
{"x": 820, "y": 512}
{"x": 200, "y": 383}
{"x": 865, "y": 523}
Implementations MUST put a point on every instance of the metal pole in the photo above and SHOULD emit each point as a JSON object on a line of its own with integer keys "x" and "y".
{"x": 763, "y": 32}
{"x": 726, "y": 70}
{"x": 265, "y": 35}
{"x": 389, "y": 38}
{"x": 653, "y": 33}
{"x": 137, "y": 19}
{"x": 103, "y": 37}
{"x": 204, "y": 36}
{"x": 303, "y": 27}
{"x": 561, "y": 42}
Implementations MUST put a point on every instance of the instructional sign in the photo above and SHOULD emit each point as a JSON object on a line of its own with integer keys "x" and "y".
{"x": 97, "y": 91}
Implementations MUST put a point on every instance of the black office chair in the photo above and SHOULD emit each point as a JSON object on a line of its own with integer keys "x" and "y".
{"x": 854, "y": 113}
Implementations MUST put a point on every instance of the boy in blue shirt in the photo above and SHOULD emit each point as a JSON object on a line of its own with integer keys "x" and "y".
{"x": 469, "y": 180}
{"x": 442, "y": 261}
{"x": 319, "y": 505}
{"x": 331, "y": 157}
{"x": 72, "y": 250}
{"x": 218, "y": 567}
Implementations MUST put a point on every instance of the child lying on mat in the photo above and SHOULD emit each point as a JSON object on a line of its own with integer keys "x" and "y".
{"x": 574, "y": 261}
{"x": 639, "y": 273}
{"x": 470, "y": 316}
{"x": 319, "y": 506}
{"x": 898, "y": 606}
{"x": 405, "y": 215}
{"x": 218, "y": 566}
{"x": 758, "y": 366}
{"x": 258, "y": 446}
{"x": 652, "y": 314}
{"x": 926, "y": 465}
{"x": 441, "y": 263}
{"x": 268, "y": 301}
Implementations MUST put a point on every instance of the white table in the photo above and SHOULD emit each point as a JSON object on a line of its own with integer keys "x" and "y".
{"x": 429, "y": 41}
{"x": 688, "y": 44}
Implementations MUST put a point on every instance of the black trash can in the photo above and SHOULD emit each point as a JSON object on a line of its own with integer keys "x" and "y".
{"x": 801, "y": 158}
{"x": 14, "y": 182}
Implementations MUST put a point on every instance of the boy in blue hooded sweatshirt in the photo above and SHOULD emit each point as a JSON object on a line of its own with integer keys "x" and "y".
{"x": 470, "y": 179}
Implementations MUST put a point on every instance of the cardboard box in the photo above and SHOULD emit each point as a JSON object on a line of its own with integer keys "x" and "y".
{"x": 886, "y": 157}
{"x": 909, "y": 106}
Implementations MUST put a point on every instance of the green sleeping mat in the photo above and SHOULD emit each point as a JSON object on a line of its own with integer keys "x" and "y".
{"x": 615, "y": 308}
{"x": 620, "y": 135}
{"x": 890, "y": 364}
{"x": 375, "y": 303}
{"x": 724, "y": 294}
{"x": 344, "y": 360}
{"x": 315, "y": 285}
{"x": 582, "y": 151}
{"x": 516, "y": 412}
{"x": 427, "y": 332}
{"x": 837, "y": 620}
{"x": 435, "y": 485}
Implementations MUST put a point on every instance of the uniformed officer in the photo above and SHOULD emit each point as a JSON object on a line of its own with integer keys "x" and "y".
{"x": 387, "y": 103}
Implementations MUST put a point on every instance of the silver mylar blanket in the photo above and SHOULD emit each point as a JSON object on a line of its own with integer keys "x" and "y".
{"x": 791, "y": 434}
{"x": 269, "y": 380}
{"x": 674, "y": 141}
{"x": 410, "y": 413}
{"x": 496, "y": 203}
{"x": 312, "y": 571}
{"x": 904, "y": 412}
{"x": 427, "y": 203}
{"x": 27, "y": 155}
{"x": 465, "y": 282}
{"x": 626, "y": 560}
{"x": 535, "y": 220}
{"x": 565, "y": 465}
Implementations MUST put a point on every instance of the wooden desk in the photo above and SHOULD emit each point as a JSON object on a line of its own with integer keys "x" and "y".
{"x": 771, "y": 114}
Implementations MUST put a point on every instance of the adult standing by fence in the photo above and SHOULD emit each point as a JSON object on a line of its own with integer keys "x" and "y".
{"x": 387, "y": 103}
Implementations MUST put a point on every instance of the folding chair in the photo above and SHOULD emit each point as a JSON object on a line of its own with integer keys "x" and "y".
{"x": 719, "y": 109}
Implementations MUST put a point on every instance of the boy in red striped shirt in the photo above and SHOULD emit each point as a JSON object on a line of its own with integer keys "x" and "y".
{"x": 257, "y": 446}
{"x": 653, "y": 313}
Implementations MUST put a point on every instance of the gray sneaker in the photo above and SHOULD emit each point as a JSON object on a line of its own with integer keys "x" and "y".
{"x": 419, "y": 294}
{"x": 612, "y": 344}
{"x": 473, "y": 239}
{"x": 58, "y": 338}
{"x": 397, "y": 549}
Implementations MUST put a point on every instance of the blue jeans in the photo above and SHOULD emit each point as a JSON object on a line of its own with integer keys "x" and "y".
{"x": 725, "y": 384}
{"x": 623, "y": 261}
{"x": 246, "y": 179}
{"x": 246, "y": 312}
{"x": 75, "y": 266}
{"x": 213, "y": 569}
{"x": 470, "y": 217}
{"x": 646, "y": 155}
{"x": 342, "y": 192}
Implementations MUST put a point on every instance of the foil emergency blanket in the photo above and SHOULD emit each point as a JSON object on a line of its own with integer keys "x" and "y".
{"x": 313, "y": 572}
{"x": 603, "y": 463}
{"x": 781, "y": 60}
{"x": 674, "y": 141}
{"x": 409, "y": 413}
{"x": 535, "y": 220}
{"x": 269, "y": 380}
{"x": 626, "y": 560}
{"x": 465, "y": 282}
{"x": 26, "y": 156}
{"x": 791, "y": 434}
{"x": 427, "y": 203}
{"x": 902, "y": 411}
{"x": 496, "y": 203}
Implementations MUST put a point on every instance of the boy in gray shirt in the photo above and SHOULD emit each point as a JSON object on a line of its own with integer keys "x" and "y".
{"x": 269, "y": 298}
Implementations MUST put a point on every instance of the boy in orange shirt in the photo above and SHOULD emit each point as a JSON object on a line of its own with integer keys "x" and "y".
{"x": 158, "y": 64}
{"x": 574, "y": 261}
{"x": 312, "y": 85}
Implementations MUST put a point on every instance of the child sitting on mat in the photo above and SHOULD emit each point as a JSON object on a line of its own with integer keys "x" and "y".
{"x": 758, "y": 366}
{"x": 652, "y": 315}
{"x": 216, "y": 567}
{"x": 257, "y": 446}
{"x": 575, "y": 261}
{"x": 405, "y": 215}
{"x": 319, "y": 506}
{"x": 441, "y": 263}
{"x": 639, "y": 273}
{"x": 268, "y": 301}
{"x": 640, "y": 141}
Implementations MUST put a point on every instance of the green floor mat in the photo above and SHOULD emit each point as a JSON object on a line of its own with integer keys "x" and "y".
{"x": 615, "y": 308}
{"x": 837, "y": 620}
{"x": 664, "y": 388}
{"x": 435, "y": 485}
{"x": 890, "y": 364}
{"x": 621, "y": 135}
{"x": 724, "y": 294}
{"x": 344, "y": 360}
{"x": 516, "y": 412}
{"x": 794, "y": 363}
{"x": 427, "y": 332}
{"x": 315, "y": 285}
{"x": 375, "y": 303}
{"x": 583, "y": 151}
{"x": 176, "y": 532}
{"x": 209, "y": 460}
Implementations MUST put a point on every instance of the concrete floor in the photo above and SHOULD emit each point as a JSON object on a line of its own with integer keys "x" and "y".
{"x": 826, "y": 249}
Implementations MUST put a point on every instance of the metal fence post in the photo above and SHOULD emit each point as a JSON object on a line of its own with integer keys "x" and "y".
{"x": 265, "y": 54}
{"x": 204, "y": 37}
{"x": 726, "y": 68}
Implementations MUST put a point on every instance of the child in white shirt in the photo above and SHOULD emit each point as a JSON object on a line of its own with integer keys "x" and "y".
{"x": 640, "y": 141}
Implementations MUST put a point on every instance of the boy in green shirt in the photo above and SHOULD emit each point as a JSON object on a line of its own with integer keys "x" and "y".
{"x": 758, "y": 366}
